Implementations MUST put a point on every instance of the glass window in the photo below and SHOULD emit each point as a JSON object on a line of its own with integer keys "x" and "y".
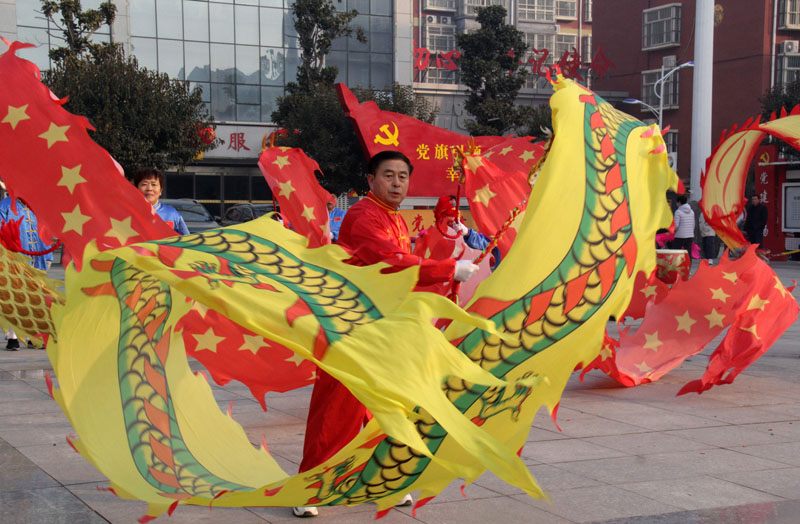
{"x": 381, "y": 71}
{"x": 380, "y": 7}
{"x": 259, "y": 190}
{"x": 207, "y": 187}
{"x": 586, "y": 48}
{"x": 361, "y": 21}
{"x": 670, "y": 89}
{"x": 178, "y": 186}
{"x": 223, "y": 63}
{"x": 144, "y": 49}
{"x": 471, "y": 6}
{"x": 39, "y": 55}
{"x": 566, "y": 9}
{"x": 338, "y": 59}
{"x": 248, "y": 113}
{"x": 564, "y": 44}
{"x": 196, "y": 54}
{"x": 339, "y": 44}
{"x": 29, "y": 12}
{"x": 237, "y": 187}
{"x": 247, "y": 2}
{"x": 247, "y": 64}
{"x": 195, "y": 20}
{"x": 661, "y": 26}
{"x": 169, "y": 18}
{"x": 269, "y": 102}
{"x": 380, "y": 29}
{"x": 535, "y": 10}
{"x": 170, "y": 58}
{"x": 272, "y": 66}
{"x": 271, "y": 27}
{"x": 247, "y": 95}
{"x": 221, "y": 17}
{"x": 671, "y": 141}
{"x": 288, "y": 25}
{"x": 222, "y": 102}
{"x": 292, "y": 63}
{"x": 205, "y": 96}
{"x": 788, "y": 14}
{"x": 246, "y": 25}
{"x": 587, "y": 10}
{"x": 439, "y": 38}
{"x": 143, "y": 18}
{"x": 362, "y": 6}
{"x": 272, "y": 3}
{"x": 358, "y": 70}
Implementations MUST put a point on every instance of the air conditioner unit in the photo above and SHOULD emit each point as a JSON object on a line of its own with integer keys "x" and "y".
{"x": 672, "y": 160}
{"x": 790, "y": 47}
{"x": 444, "y": 19}
{"x": 669, "y": 61}
{"x": 430, "y": 19}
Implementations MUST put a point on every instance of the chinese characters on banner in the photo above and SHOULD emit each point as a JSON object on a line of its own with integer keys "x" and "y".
{"x": 570, "y": 62}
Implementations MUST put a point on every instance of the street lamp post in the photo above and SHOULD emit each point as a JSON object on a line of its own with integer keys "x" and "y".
{"x": 658, "y": 88}
{"x": 645, "y": 105}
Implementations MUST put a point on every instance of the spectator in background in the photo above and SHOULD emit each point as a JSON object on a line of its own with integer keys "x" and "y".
{"x": 709, "y": 236}
{"x": 756, "y": 221}
{"x": 150, "y": 182}
{"x": 684, "y": 225}
{"x": 335, "y": 217}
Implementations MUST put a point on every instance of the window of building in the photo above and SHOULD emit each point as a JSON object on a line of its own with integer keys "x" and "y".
{"x": 789, "y": 14}
{"x": 671, "y": 140}
{"x": 586, "y": 49}
{"x": 440, "y": 38}
{"x": 587, "y": 10}
{"x": 540, "y": 42}
{"x": 566, "y": 9}
{"x": 536, "y": 10}
{"x": 669, "y": 90}
{"x": 436, "y": 75}
{"x": 471, "y": 6}
{"x": 564, "y": 44}
{"x": 788, "y": 69}
{"x": 661, "y": 26}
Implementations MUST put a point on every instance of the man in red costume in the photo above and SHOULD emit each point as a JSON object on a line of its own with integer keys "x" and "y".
{"x": 374, "y": 232}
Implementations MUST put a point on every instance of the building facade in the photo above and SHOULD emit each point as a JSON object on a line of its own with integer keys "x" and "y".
{"x": 755, "y": 48}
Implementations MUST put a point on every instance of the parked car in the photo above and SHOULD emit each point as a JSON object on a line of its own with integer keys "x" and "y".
{"x": 245, "y": 212}
{"x": 194, "y": 213}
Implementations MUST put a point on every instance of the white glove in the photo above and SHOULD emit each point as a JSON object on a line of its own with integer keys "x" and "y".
{"x": 461, "y": 228}
{"x": 464, "y": 270}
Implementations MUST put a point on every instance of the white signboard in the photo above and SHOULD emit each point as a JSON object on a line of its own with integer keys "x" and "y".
{"x": 791, "y": 207}
{"x": 240, "y": 141}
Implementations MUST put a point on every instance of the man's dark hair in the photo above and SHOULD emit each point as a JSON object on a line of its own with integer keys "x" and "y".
{"x": 147, "y": 173}
{"x": 376, "y": 160}
{"x": 682, "y": 199}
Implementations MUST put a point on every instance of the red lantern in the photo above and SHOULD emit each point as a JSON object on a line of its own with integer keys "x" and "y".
{"x": 208, "y": 135}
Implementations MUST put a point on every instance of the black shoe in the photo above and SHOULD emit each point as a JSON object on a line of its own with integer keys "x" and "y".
{"x": 12, "y": 344}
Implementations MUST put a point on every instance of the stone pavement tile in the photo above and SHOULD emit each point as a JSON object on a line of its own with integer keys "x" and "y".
{"x": 291, "y": 454}
{"x": 790, "y": 410}
{"x": 284, "y": 434}
{"x": 17, "y": 473}
{"x": 62, "y": 463}
{"x": 748, "y": 415}
{"x": 783, "y": 512}
{"x": 647, "y": 443}
{"x": 576, "y": 424}
{"x": 596, "y": 503}
{"x": 735, "y": 436}
{"x": 642, "y": 415}
{"x": 779, "y": 482}
{"x": 45, "y": 506}
{"x": 661, "y": 466}
{"x": 497, "y": 509}
{"x": 28, "y": 407}
{"x": 566, "y": 450}
{"x": 35, "y": 429}
{"x": 541, "y": 435}
{"x": 121, "y": 511}
{"x": 257, "y": 418}
{"x": 784, "y": 452}
{"x": 700, "y": 492}
{"x": 15, "y": 391}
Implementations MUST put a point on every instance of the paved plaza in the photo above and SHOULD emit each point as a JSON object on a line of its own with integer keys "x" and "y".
{"x": 623, "y": 455}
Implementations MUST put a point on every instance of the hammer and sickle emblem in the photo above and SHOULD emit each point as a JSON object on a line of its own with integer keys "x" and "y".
{"x": 387, "y": 138}
{"x": 764, "y": 157}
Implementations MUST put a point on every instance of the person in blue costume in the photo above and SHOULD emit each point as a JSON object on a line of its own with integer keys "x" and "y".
{"x": 447, "y": 213}
{"x": 151, "y": 183}
{"x": 29, "y": 241}
{"x": 335, "y": 217}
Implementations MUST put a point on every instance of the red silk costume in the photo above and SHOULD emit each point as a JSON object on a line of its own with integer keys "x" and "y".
{"x": 373, "y": 232}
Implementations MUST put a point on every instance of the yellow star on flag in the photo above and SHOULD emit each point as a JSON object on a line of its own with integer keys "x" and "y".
{"x": 474, "y": 162}
{"x": 652, "y": 341}
{"x": 15, "y": 115}
{"x": 488, "y": 154}
{"x": 295, "y": 359}
{"x": 779, "y": 287}
{"x": 308, "y": 213}
{"x": 121, "y": 230}
{"x": 643, "y": 367}
{"x": 506, "y": 150}
{"x": 527, "y": 156}
{"x": 71, "y": 177}
{"x": 685, "y": 322}
{"x": 719, "y": 294}
{"x": 715, "y": 319}
{"x": 751, "y": 330}
{"x": 286, "y": 189}
{"x": 282, "y": 161}
{"x": 200, "y": 308}
{"x": 757, "y": 303}
{"x": 74, "y": 220}
{"x": 252, "y": 343}
{"x": 649, "y": 291}
{"x": 605, "y": 353}
{"x": 55, "y": 134}
{"x": 733, "y": 277}
{"x": 207, "y": 341}
{"x": 483, "y": 195}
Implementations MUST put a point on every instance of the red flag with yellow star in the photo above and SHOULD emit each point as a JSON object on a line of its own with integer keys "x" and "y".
{"x": 76, "y": 189}
{"x": 290, "y": 175}
{"x": 744, "y": 296}
{"x": 430, "y": 148}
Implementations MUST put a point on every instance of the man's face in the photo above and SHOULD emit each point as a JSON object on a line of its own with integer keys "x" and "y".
{"x": 151, "y": 189}
{"x": 330, "y": 205}
{"x": 390, "y": 182}
{"x": 755, "y": 200}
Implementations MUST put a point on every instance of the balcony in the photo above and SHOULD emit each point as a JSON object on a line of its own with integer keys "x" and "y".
{"x": 439, "y": 5}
